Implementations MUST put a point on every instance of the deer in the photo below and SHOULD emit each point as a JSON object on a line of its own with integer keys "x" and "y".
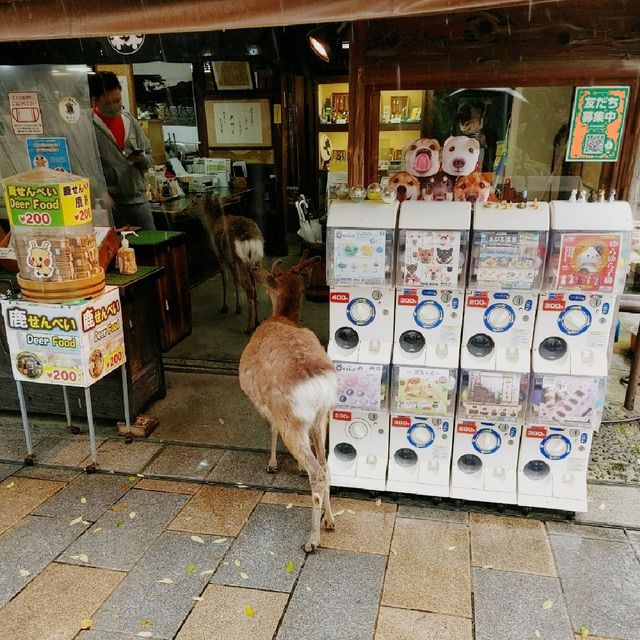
{"x": 239, "y": 245}
{"x": 292, "y": 383}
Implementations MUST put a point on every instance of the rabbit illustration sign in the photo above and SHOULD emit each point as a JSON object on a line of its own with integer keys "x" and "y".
{"x": 40, "y": 259}
{"x": 589, "y": 261}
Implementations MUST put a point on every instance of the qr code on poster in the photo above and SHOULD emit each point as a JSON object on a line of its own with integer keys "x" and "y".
{"x": 594, "y": 143}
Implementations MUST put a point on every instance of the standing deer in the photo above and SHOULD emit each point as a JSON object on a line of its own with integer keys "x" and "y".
{"x": 239, "y": 246}
{"x": 290, "y": 380}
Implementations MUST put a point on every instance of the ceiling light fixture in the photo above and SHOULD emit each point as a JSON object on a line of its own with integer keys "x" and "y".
{"x": 323, "y": 40}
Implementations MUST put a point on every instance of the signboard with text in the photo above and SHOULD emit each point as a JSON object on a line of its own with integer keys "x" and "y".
{"x": 597, "y": 124}
{"x": 25, "y": 112}
{"x": 72, "y": 344}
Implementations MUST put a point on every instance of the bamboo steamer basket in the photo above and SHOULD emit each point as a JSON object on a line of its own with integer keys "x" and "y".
{"x": 52, "y": 235}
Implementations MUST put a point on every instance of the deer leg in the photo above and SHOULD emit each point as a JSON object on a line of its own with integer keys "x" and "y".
{"x": 223, "y": 273}
{"x": 273, "y": 461}
{"x": 318, "y": 438}
{"x": 236, "y": 277}
{"x": 250, "y": 291}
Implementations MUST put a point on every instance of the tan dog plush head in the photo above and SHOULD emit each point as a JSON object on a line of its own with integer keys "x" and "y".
{"x": 460, "y": 155}
{"x": 476, "y": 187}
{"x": 407, "y": 186}
{"x": 422, "y": 157}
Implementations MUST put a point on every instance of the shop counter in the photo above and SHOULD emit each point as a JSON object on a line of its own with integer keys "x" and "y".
{"x": 144, "y": 369}
{"x": 168, "y": 249}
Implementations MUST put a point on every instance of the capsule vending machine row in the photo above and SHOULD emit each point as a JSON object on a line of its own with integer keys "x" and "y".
{"x": 505, "y": 274}
{"x": 586, "y": 267}
{"x": 360, "y": 258}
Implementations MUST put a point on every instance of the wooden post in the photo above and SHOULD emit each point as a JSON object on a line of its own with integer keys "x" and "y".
{"x": 357, "y": 103}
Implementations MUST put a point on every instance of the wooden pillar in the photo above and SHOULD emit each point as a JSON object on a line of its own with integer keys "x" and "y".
{"x": 199, "y": 91}
{"x": 357, "y": 104}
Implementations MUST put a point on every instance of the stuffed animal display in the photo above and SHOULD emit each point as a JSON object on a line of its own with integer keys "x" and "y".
{"x": 442, "y": 173}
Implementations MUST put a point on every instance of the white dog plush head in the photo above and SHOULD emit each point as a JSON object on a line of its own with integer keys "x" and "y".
{"x": 460, "y": 155}
{"x": 422, "y": 157}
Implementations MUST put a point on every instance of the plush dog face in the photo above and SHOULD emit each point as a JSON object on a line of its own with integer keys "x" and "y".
{"x": 439, "y": 187}
{"x": 422, "y": 157}
{"x": 460, "y": 155}
{"x": 476, "y": 187}
{"x": 407, "y": 186}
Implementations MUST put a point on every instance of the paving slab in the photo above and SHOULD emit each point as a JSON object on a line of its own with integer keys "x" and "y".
{"x": 345, "y": 611}
{"x": 429, "y": 568}
{"x": 219, "y": 511}
{"x": 222, "y": 615}
{"x": 601, "y": 582}
{"x": 73, "y": 593}
{"x": 184, "y": 462}
{"x": 142, "y": 603}
{"x": 289, "y": 476}
{"x": 117, "y": 455}
{"x": 405, "y": 624}
{"x": 117, "y": 540}
{"x": 188, "y": 488}
{"x": 246, "y": 467}
{"x": 12, "y": 443}
{"x": 634, "y": 538}
{"x": 28, "y": 547}
{"x": 433, "y": 513}
{"x": 288, "y": 499}
{"x": 612, "y": 505}
{"x": 585, "y": 531}
{"x": 64, "y": 450}
{"x": 272, "y": 538}
{"x": 48, "y": 473}
{"x": 512, "y": 605}
{"x": 497, "y": 542}
{"x": 102, "y": 635}
{"x": 7, "y": 469}
{"x": 20, "y": 496}
{"x": 99, "y": 491}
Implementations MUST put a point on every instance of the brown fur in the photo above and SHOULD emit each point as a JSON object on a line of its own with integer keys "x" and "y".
{"x": 280, "y": 356}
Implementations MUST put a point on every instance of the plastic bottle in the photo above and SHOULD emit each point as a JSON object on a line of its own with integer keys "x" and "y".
{"x": 126, "y": 257}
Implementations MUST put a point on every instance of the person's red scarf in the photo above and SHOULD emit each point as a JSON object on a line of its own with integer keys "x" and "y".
{"x": 115, "y": 125}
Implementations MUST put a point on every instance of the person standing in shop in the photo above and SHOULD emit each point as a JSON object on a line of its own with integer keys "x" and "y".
{"x": 125, "y": 152}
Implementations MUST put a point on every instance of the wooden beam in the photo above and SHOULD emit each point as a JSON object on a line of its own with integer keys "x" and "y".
{"x": 357, "y": 111}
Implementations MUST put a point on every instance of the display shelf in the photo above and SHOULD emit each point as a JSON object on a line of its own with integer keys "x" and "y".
{"x": 333, "y": 128}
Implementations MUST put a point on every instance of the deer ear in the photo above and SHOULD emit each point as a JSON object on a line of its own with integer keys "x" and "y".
{"x": 264, "y": 277}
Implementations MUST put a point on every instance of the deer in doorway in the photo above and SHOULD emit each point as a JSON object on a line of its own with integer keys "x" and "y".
{"x": 239, "y": 246}
{"x": 292, "y": 383}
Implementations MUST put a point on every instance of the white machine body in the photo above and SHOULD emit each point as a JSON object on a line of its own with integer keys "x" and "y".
{"x": 492, "y": 395}
{"x": 508, "y": 246}
{"x": 420, "y": 454}
{"x": 423, "y": 390}
{"x": 498, "y": 330}
{"x": 552, "y": 467}
{"x": 573, "y": 333}
{"x": 428, "y": 323}
{"x": 484, "y": 461}
{"x": 590, "y": 245}
{"x": 358, "y": 448}
{"x": 361, "y": 324}
{"x": 567, "y": 400}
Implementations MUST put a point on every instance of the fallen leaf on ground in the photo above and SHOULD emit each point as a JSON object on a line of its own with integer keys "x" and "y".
{"x": 353, "y": 513}
{"x": 219, "y": 540}
{"x": 120, "y": 522}
{"x": 451, "y": 548}
{"x": 393, "y": 551}
{"x": 144, "y": 634}
{"x": 248, "y": 611}
{"x": 86, "y": 624}
{"x": 536, "y": 633}
{"x": 83, "y": 500}
{"x": 11, "y": 484}
{"x": 584, "y": 633}
{"x": 98, "y": 529}
{"x": 120, "y": 507}
{"x": 339, "y": 513}
{"x": 132, "y": 479}
{"x": 236, "y": 562}
{"x": 289, "y": 567}
{"x": 140, "y": 475}
{"x": 289, "y": 505}
{"x": 24, "y": 573}
{"x": 197, "y": 539}
{"x": 243, "y": 575}
{"x": 547, "y": 604}
{"x": 242, "y": 486}
{"x": 191, "y": 568}
{"x": 308, "y": 588}
{"x": 165, "y": 581}
{"x": 77, "y": 520}
{"x": 378, "y": 502}
{"x": 273, "y": 553}
{"x": 83, "y": 557}
{"x": 208, "y": 572}
{"x": 144, "y": 623}
{"x": 602, "y": 506}
{"x": 197, "y": 598}
{"x": 132, "y": 515}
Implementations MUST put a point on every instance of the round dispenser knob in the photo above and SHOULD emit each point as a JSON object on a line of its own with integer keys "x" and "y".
{"x": 358, "y": 430}
{"x": 361, "y": 311}
{"x": 486, "y": 441}
{"x": 556, "y": 446}
{"x": 574, "y": 320}
{"x": 499, "y": 317}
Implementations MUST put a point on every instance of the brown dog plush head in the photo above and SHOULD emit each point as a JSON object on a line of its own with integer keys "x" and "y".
{"x": 438, "y": 187}
{"x": 422, "y": 157}
{"x": 476, "y": 187}
{"x": 407, "y": 186}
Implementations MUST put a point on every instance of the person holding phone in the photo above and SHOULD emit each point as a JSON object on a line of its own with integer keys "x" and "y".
{"x": 125, "y": 152}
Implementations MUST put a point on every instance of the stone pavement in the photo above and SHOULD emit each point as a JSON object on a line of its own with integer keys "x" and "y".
{"x": 127, "y": 557}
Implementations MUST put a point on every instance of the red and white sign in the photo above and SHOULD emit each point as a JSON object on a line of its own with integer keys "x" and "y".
{"x": 345, "y": 416}
{"x": 26, "y": 116}
{"x": 536, "y": 432}
{"x": 466, "y": 427}
{"x": 339, "y": 296}
{"x": 478, "y": 301}
{"x": 553, "y": 305}
{"x": 407, "y": 300}
{"x": 401, "y": 421}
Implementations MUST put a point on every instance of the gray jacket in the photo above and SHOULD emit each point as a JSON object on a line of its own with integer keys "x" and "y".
{"x": 125, "y": 181}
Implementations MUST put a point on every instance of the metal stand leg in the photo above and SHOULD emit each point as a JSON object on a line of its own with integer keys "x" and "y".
{"x": 67, "y": 410}
{"x": 25, "y": 425}
{"x": 92, "y": 434}
{"x": 125, "y": 395}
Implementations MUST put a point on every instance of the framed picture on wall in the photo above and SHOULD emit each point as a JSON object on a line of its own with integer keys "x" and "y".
{"x": 238, "y": 123}
{"x": 232, "y": 75}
